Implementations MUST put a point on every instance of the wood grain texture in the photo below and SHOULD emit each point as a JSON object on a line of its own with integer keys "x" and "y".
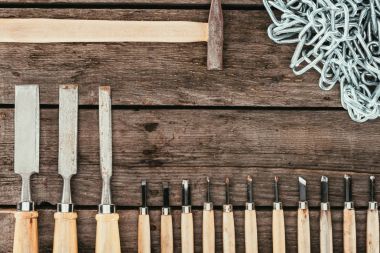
{"x": 25, "y": 238}
{"x": 126, "y": 2}
{"x": 373, "y": 231}
{"x": 250, "y": 231}
{"x": 278, "y": 232}
{"x": 166, "y": 236}
{"x": 144, "y": 241}
{"x": 187, "y": 233}
{"x": 326, "y": 232}
{"x": 229, "y": 243}
{"x": 303, "y": 233}
{"x": 208, "y": 231}
{"x": 349, "y": 231}
{"x": 107, "y": 233}
{"x": 65, "y": 233}
{"x": 256, "y": 71}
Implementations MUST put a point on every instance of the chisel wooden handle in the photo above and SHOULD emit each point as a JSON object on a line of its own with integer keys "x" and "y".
{"x": 373, "y": 231}
{"x": 107, "y": 233}
{"x": 166, "y": 234}
{"x": 208, "y": 232}
{"x": 144, "y": 234}
{"x": 251, "y": 244}
{"x": 187, "y": 233}
{"x": 326, "y": 239}
{"x": 65, "y": 233}
{"x": 26, "y": 232}
{"x": 303, "y": 231}
{"x": 228, "y": 232}
{"x": 278, "y": 231}
{"x": 349, "y": 231}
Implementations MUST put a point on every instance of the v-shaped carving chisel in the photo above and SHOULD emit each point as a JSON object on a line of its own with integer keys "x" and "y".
{"x": 278, "y": 223}
{"x": 208, "y": 223}
{"x": 166, "y": 223}
{"x": 228, "y": 223}
{"x": 26, "y": 163}
{"x": 349, "y": 224}
{"x": 187, "y": 229}
{"x": 372, "y": 220}
{"x": 303, "y": 219}
{"x": 144, "y": 222}
{"x": 65, "y": 230}
{"x": 326, "y": 239}
{"x": 107, "y": 228}
{"x": 250, "y": 223}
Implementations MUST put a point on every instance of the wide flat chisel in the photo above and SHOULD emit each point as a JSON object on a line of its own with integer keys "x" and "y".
{"x": 325, "y": 223}
{"x": 250, "y": 223}
{"x": 208, "y": 223}
{"x": 143, "y": 245}
{"x": 187, "y": 229}
{"x": 65, "y": 230}
{"x": 372, "y": 219}
{"x": 26, "y": 163}
{"x": 278, "y": 222}
{"x": 303, "y": 219}
{"x": 107, "y": 229}
{"x": 228, "y": 222}
{"x": 349, "y": 223}
{"x": 166, "y": 222}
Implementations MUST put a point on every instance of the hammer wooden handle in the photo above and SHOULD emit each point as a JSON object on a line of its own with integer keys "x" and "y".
{"x": 228, "y": 232}
{"x": 187, "y": 233}
{"x": 166, "y": 234}
{"x": 107, "y": 233}
{"x": 26, "y": 232}
{"x": 143, "y": 234}
{"x": 208, "y": 232}
{"x": 372, "y": 231}
{"x": 251, "y": 244}
{"x": 349, "y": 231}
{"x": 303, "y": 231}
{"x": 326, "y": 239}
{"x": 65, "y": 233}
{"x": 278, "y": 231}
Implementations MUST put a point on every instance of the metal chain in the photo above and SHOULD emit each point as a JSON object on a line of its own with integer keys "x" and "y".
{"x": 338, "y": 38}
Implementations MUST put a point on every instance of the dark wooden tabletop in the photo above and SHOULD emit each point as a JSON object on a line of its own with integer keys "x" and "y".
{"x": 173, "y": 119}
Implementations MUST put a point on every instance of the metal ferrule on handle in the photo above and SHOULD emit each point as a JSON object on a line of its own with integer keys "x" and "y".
{"x": 144, "y": 210}
{"x": 325, "y": 206}
{"x": 349, "y": 205}
{"x": 208, "y": 206}
{"x": 303, "y": 205}
{"x": 277, "y": 205}
{"x": 65, "y": 208}
{"x": 373, "y": 206}
{"x": 25, "y": 206}
{"x": 186, "y": 209}
{"x": 107, "y": 209}
{"x": 227, "y": 208}
{"x": 250, "y": 206}
{"x": 166, "y": 211}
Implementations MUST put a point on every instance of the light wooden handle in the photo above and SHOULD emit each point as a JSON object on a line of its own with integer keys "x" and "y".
{"x": 251, "y": 244}
{"x": 107, "y": 233}
{"x": 26, "y": 232}
{"x": 208, "y": 232}
{"x": 349, "y": 231}
{"x": 166, "y": 234}
{"x": 144, "y": 234}
{"x": 303, "y": 231}
{"x": 187, "y": 233}
{"x": 326, "y": 239}
{"x": 372, "y": 231}
{"x": 278, "y": 232}
{"x": 65, "y": 233}
{"x": 228, "y": 232}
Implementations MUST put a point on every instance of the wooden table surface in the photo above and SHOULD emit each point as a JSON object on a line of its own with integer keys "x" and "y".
{"x": 173, "y": 119}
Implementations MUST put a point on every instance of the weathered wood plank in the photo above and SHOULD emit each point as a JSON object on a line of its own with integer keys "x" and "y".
{"x": 128, "y": 230}
{"x": 256, "y": 71}
{"x": 170, "y": 145}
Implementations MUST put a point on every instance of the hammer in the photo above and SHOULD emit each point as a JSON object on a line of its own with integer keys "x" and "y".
{"x": 40, "y": 30}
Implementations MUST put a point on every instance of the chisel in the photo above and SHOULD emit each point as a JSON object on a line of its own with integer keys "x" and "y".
{"x": 26, "y": 162}
{"x": 208, "y": 231}
{"x": 372, "y": 220}
{"x": 278, "y": 223}
{"x": 349, "y": 224}
{"x": 187, "y": 230}
{"x": 326, "y": 239}
{"x": 65, "y": 230}
{"x": 251, "y": 244}
{"x": 144, "y": 222}
{"x": 303, "y": 219}
{"x": 107, "y": 228}
{"x": 166, "y": 223}
{"x": 228, "y": 222}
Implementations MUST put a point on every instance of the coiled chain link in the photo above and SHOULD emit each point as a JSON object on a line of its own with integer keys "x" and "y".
{"x": 338, "y": 38}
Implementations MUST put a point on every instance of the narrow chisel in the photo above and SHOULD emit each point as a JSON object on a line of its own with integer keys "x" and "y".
{"x": 228, "y": 222}
{"x": 107, "y": 229}
{"x": 26, "y": 163}
{"x": 251, "y": 243}
{"x": 326, "y": 239}
{"x": 187, "y": 229}
{"x": 278, "y": 223}
{"x": 208, "y": 231}
{"x": 303, "y": 219}
{"x": 349, "y": 224}
{"x": 65, "y": 230}
{"x": 144, "y": 222}
{"x": 372, "y": 220}
{"x": 166, "y": 223}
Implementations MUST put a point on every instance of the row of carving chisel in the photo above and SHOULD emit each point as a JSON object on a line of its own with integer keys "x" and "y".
{"x": 27, "y": 131}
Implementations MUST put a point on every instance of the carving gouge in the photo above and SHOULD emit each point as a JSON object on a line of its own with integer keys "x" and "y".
{"x": 166, "y": 223}
{"x": 303, "y": 219}
{"x": 326, "y": 239}
{"x": 228, "y": 222}
{"x": 349, "y": 224}
{"x": 144, "y": 222}
{"x": 372, "y": 220}
{"x": 65, "y": 230}
{"x": 187, "y": 230}
{"x": 208, "y": 232}
{"x": 107, "y": 229}
{"x": 26, "y": 162}
{"x": 251, "y": 244}
{"x": 278, "y": 224}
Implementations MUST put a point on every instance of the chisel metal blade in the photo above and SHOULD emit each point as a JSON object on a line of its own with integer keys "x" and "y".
{"x": 302, "y": 189}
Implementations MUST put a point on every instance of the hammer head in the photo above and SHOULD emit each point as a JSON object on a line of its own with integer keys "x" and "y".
{"x": 215, "y": 37}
